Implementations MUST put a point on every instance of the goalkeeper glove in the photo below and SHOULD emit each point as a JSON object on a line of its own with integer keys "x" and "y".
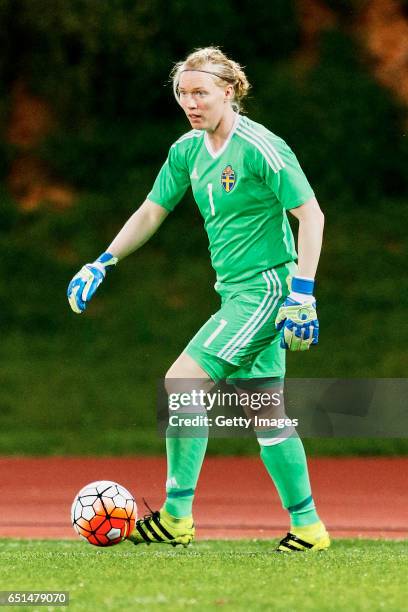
{"x": 297, "y": 317}
{"x": 85, "y": 283}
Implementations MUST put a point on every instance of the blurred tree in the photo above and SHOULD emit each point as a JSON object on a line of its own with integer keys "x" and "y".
{"x": 346, "y": 128}
{"x": 111, "y": 58}
{"x": 103, "y": 66}
{"x": 347, "y": 9}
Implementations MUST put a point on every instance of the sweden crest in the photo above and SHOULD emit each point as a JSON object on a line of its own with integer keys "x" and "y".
{"x": 228, "y": 179}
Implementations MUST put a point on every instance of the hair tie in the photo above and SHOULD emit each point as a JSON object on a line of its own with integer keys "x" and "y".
{"x": 232, "y": 81}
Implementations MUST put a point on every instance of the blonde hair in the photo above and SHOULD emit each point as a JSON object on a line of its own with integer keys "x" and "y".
{"x": 213, "y": 61}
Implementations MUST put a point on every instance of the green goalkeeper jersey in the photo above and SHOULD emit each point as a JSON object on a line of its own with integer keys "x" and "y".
{"x": 243, "y": 191}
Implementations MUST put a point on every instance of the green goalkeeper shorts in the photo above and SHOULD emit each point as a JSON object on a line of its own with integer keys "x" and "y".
{"x": 240, "y": 339}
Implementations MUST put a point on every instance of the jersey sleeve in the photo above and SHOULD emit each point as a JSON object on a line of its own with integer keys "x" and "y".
{"x": 281, "y": 171}
{"x": 172, "y": 181}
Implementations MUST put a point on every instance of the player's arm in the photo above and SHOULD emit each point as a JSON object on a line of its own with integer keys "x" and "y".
{"x": 136, "y": 231}
{"x": 297, "y": 317}
{"x": 310, "y": 236}
{"x": 169, "y": 187}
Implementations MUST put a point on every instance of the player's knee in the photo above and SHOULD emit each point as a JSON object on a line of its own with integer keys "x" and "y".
{"x": 185, "y": 374}
{"x": 275, "y": 435}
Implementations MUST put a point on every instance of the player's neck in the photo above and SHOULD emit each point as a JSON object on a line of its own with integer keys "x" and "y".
{"x": 219, "y": 135}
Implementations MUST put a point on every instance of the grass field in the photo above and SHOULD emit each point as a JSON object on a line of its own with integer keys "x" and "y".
{"x": 211, "y": 575}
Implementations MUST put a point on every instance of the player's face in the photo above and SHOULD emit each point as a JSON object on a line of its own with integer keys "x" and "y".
{"x": 202, "y": 100}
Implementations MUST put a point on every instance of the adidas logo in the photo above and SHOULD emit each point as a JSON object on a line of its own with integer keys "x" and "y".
{"x": 172, "y": 483}
{"x": 194, "y": 174}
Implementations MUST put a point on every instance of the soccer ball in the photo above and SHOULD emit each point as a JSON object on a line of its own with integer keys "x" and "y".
{"x": 103, "y": 513}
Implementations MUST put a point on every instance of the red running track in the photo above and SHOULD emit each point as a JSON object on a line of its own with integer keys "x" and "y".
{"x": 235, "y": 497}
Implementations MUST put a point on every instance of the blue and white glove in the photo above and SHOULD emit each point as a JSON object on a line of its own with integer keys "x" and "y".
{"x": 297, "y": 317}
{"x": 85, "y": 283}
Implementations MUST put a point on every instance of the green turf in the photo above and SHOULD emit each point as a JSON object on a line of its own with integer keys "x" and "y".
{"x": 231, "y": 575}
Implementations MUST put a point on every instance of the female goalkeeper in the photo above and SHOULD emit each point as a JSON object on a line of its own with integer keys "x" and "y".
{"x": 244, "y": 180}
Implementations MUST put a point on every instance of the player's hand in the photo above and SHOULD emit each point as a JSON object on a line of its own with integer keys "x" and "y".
{"x": 85, "y": 283}
{"x": 297, "y": 317}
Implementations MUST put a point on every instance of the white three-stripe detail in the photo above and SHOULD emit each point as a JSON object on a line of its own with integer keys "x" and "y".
{"x": 258, "y": 318}
{"x": 271, "y": 306}
{"x": 260, "y": 148}
{"x": 264, "y": 316}
{"x": 234, "y": 339}
{"x": 266, "y": 152}
{"x": 246, "y": 125}
{"x": 263, "y": 141}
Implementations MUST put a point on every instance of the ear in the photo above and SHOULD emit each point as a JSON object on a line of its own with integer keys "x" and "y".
{"x": 229, "y": 92}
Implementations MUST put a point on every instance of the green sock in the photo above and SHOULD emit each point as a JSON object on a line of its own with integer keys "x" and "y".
{"x": 287, "y": 466}
{"x": 184, "y": 460}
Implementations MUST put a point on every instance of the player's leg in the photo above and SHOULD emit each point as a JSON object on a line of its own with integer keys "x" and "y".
{"x": 285, "y": 460}
{"x": 283, "y": 455}
{"x": 282, "y": 450}
{"x": 185, "y": 444}
{"x": 198, "y": 368}
{"x": 185, "y": 447}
